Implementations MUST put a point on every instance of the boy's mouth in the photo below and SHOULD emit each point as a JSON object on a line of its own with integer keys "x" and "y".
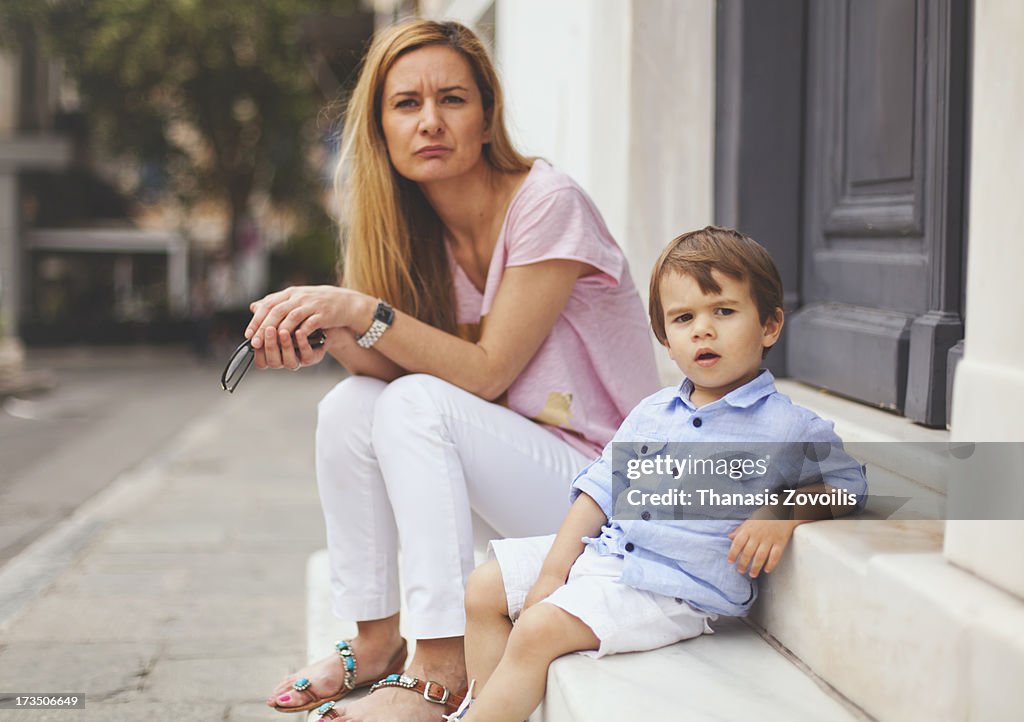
{"x": 706, "y": 358}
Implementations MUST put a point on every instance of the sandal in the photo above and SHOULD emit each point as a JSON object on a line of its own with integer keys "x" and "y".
{"x": 431, "y": 691}
{"x": 463, "y": 708}
{"x": 348, "y": 661}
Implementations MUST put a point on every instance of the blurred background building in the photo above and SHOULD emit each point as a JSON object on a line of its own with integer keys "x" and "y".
{"x": 166, "y": 164}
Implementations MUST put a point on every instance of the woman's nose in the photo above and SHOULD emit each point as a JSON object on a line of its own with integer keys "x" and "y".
{"x": 430, "y": 120}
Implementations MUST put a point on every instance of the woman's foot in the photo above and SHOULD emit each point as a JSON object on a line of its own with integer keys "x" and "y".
{"x": 436, "y": 660}
{"x": 376, "y": 658}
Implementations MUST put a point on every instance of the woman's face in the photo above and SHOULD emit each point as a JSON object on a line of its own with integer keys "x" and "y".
{"x": 433, "y": 116}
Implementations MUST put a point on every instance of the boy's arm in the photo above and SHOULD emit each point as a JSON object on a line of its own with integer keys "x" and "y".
{"x": 758, "y": 543}
{"x": 585, "y": 518}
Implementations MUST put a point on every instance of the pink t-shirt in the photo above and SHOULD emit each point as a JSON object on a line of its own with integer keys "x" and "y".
{"x": 597, "y": 363}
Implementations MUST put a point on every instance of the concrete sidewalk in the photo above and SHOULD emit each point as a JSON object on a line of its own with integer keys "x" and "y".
{"x": 178, "y": 592}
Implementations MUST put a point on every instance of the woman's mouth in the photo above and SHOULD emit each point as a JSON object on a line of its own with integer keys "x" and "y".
{"x": 432, "y": 151}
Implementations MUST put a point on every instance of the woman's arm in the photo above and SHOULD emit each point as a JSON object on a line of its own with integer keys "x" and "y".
{"x": 525, "y": 309}
{"x": 362, "y": 361}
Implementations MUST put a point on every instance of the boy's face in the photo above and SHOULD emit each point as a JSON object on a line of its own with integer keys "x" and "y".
{"x": 716, "y": 340}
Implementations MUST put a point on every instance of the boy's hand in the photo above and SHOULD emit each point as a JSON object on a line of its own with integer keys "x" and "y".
{"x": 541, "y": 589}
{"x": 759, "y": 543}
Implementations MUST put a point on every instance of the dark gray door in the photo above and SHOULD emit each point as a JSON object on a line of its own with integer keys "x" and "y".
{"x": 880, "y": 202}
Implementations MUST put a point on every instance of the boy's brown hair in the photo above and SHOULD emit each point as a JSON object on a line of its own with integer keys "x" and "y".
{"x": 727, "y": 251}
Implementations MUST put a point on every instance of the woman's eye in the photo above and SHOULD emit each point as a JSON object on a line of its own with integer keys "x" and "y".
{"x": 453, "y": 100}
{"x": 406, "y": 103}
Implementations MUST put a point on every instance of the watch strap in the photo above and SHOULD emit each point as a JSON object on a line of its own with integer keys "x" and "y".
{"x": 383, "y": 316}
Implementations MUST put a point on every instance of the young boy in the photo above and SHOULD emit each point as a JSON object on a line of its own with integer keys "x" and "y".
{"x": 606, "y": 585}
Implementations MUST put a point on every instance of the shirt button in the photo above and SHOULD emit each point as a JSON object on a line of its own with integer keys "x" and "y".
{"x": 643, "y": 449}
{"x": 697, "y": 422}
{"x": 629, "y": 546}
{"x": 646, "y": 516}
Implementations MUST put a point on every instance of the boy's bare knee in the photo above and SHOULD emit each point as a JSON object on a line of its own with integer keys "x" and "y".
{"x": 546, "y": 631}
{"x": 537, "y": 628}
{"x": 485, "y": 591}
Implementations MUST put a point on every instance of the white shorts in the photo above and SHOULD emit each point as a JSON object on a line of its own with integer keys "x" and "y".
{"x": 623, "y": 618}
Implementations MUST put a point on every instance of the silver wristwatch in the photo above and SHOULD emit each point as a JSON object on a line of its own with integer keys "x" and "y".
{"x": 383, "y": 317}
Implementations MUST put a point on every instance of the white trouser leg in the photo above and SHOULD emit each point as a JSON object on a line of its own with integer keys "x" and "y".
{"x": 442, "y": 450}
{"x": 361, "y": 536}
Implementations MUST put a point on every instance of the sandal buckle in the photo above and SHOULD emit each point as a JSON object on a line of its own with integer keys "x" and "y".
{"x": 441, "y": 698}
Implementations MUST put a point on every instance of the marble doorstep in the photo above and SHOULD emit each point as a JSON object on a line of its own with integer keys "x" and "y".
{"x": 874, "y": 608}
{"x": 731, "y": 675}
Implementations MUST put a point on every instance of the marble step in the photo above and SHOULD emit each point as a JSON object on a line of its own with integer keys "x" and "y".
{"x": 874, "y": 609}
{"x": 732, "y": 674}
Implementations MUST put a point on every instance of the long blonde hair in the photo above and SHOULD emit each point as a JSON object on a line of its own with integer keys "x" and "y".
{"x": 392, "y": 239}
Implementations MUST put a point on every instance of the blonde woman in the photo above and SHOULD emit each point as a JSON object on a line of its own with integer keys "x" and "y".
{"x": 495, "y": 341}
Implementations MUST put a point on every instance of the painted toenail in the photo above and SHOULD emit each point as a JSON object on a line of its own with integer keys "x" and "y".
{"x": 285, "y": 698}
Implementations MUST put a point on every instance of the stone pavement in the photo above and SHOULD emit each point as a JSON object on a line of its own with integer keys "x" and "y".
{"x": 178, "y": 592}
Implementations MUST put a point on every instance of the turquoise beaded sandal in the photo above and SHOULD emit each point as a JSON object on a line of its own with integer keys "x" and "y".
{"x": 431, "y": 691}
{"x": 348, "y": 661}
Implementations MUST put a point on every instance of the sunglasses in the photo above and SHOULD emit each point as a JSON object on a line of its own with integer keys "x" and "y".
{"x": 241, "y": 360}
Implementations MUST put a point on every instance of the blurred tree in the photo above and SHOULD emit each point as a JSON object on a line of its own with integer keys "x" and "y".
{"x": 219, "y": 96}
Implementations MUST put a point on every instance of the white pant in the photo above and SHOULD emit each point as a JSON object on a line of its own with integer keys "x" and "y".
{"x": 404, "y": 463}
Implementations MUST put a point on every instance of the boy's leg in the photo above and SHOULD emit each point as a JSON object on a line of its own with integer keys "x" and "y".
{"x": 487, "y": 621}
{"x": 543, "y": 633}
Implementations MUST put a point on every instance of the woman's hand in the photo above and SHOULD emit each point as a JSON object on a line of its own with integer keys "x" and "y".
{"x": 283, "y": 321}
{"x": 279, "y": 350}
{"x": 305, "y": 309}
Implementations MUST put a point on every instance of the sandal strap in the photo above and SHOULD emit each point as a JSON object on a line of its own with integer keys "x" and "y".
{"x": 463, "y": 708}
{"x": 432, "y": 691}
{"x": 348, "y": 661}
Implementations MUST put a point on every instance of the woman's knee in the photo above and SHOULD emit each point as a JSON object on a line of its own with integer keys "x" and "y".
{"x": 409, "y": 399}
{"x": 485, "y": 592}
{"x": 350, "y": 401}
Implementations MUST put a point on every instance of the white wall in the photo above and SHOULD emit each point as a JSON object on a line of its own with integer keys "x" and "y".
{"x": 988, "y": 398}
{"x": 672, "y": 136}
{"x": 565, "y": 66}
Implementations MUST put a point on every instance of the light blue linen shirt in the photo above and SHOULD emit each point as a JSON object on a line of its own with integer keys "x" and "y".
{"x": 687, "y": 558}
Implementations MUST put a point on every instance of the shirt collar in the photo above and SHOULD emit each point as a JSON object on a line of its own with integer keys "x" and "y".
{"x": 745, "y": 396}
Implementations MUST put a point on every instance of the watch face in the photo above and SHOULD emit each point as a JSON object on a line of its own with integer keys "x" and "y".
{"x": 384, "y": 313}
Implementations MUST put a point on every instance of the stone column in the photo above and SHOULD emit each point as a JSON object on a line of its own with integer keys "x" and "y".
{"x": 988, "y": 396}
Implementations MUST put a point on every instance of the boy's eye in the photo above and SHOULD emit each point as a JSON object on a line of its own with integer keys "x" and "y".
{"x": 724, "y": 311}
{"x": 683, "y": 317}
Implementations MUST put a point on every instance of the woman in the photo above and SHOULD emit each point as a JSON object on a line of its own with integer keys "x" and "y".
{"x": 495, "y": 339}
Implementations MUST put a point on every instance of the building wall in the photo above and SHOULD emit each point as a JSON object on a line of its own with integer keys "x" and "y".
{"x": 988, "y": 401}
{"x": 565, "y": 67}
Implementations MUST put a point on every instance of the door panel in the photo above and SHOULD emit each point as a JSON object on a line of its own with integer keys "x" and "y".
{"x": 883, "y": 197}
